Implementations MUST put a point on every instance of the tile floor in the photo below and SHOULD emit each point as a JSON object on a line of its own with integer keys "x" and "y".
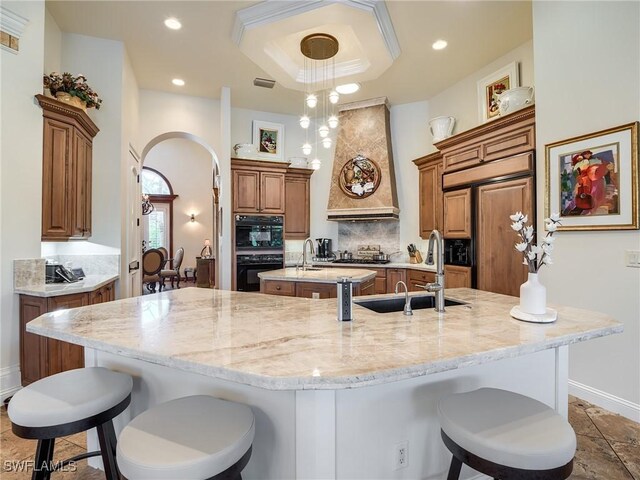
{"x": 608, "y": 447}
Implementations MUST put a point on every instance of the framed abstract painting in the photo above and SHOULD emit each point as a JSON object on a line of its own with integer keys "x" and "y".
{"x": 268, "y": 138}
{"x": 493, "y": 85}
{"x": 592, "y": 180}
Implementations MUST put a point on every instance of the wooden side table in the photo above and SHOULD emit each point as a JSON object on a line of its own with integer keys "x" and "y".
{"x": 206, "y": 268}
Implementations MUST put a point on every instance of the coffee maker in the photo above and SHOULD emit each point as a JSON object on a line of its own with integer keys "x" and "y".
{"x": 323, "y": 250}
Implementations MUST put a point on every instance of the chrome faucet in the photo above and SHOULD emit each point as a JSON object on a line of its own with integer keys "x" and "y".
{"x": 407, "y": 298}
{"x": 305, "y": 262}
{"x": 438, "y": 286}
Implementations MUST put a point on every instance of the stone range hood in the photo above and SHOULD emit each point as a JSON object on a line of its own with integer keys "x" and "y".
{"x": 364, "y": 130}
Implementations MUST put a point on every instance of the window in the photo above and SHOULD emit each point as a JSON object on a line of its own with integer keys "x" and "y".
{"x": 158, "y": 224}
{"x": 156, "y": 228}
{"x": 153, "y": 183}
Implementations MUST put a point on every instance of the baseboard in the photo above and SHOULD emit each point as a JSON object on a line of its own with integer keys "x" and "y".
{"x": 605, "y": 400}
{"x": 9, "y": 381}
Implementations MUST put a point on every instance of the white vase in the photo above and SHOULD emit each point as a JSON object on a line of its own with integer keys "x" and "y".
{"x": 441, "y": 127}
{"x": 533, "y": 296}
{"x": 514, "y": 99}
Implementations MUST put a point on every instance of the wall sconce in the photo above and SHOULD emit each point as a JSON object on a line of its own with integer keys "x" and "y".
{"x": 193, "y": 217}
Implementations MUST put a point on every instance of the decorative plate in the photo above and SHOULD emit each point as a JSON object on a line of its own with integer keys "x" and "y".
{"x": 359, "y": 177}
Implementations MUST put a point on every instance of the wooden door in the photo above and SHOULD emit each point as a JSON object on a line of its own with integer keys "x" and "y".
{"x": 368, "y": 287}
{"x": 57, "y": 180}
{"x": 431, "y": 210}
{"x": 457, "y": 214}
{"x": 246, "y": 191}
{"x": 63, "y": 356}
{"x": 499, "y": 266}
{"x": 81, "y": 192}
{"x": 297, "y": 199}
{"x": 316, "y": 290}
{"x": 33, "y": 348}
{"x": 395, "y": 275}
{"x": 456, "y": 276}
{"x": 272, "y": 192}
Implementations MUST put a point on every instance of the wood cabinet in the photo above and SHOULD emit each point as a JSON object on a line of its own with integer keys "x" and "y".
{"x": 258, "y": 187}
{"x": 67, "y": 152}
{"x": 41, "y": 356}
{"x": 457, "y": 214}
{"x": 510, "y": 135}
{"x": 499, "y": 267}
{"x": 297, "y": 204}
{"x": 278, "y": 287}
{"x": 430, "y": 193}
{"x": 419, "y": 277}
{"x": 316, "y": 290}
{"x": 457, "y": 277}
{"x": 312, "y": 289}
{"x": 395, "y": 275}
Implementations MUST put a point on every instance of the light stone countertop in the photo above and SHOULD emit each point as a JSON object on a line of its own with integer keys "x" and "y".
{"x": 325, "y": 275}
{"x": 289, "y": 343}
{"x": 414, "y": 266}
{"x": 88, "y": 284}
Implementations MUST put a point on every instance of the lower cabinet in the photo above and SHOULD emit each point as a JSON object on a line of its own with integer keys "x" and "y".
{"x": 395, "y": 275}
{"x": 419, "y": 278}
{"x": 457, "y": 277}
{"x": 313, "y": 289}
{"x": 41, "y": 356}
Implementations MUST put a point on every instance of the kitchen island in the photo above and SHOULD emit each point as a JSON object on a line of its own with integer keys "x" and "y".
{"x": 332, "y": 400}
{"x": 315, "y": 282}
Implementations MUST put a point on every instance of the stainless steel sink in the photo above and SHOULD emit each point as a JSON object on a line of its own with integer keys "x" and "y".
{"x": 396, "y": 304}
{"x": 312, "y": 269}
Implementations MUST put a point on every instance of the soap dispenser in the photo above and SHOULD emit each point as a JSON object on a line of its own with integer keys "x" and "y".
{"x": 345, "y": 297}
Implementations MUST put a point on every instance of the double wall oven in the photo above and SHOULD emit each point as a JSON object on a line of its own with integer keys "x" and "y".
{"x": 259, "y": 241}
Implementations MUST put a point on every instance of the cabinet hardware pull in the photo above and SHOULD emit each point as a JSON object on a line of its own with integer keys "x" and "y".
{"x": 278, "y": 287}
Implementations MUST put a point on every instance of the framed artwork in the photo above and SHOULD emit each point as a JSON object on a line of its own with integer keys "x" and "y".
{"x": 359, "y": 177}
{"x": 493, "y": 85}
{"x": 592, "y": 180}
{"x": 269, "y": 140}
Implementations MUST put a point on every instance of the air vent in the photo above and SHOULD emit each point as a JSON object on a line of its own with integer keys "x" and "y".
{"x": 264, "y": 82}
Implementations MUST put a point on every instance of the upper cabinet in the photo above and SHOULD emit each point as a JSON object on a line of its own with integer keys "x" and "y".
{"x": 430, "y": 185}
{"x": 68, "y": 134}
{"x": 457, "y": 214}
{"x": 297, "y": 199}
{"x": 258, "y": 187}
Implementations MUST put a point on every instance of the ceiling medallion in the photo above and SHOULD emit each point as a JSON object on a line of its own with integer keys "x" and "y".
{"x": 319, "y": 46}
{"x": 359, "y": 177}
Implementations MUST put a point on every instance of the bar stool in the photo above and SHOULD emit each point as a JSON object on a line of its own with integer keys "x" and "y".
{"x": 68, "y": 403}
{"x": 506, "y": 435}
{"x": 197, "y": 437}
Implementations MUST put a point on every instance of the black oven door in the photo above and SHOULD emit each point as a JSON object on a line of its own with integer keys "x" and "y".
{"x": 258, "y": 233}
{"x": 247, "y": 276}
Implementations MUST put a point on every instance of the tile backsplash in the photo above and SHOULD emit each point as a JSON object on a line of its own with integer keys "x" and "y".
{"x": 92, "y": 264}
{"x": 384, "y": 233}
{"x": 28, "y": 272}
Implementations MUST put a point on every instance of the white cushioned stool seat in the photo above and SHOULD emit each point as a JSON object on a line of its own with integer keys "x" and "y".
{"x": 69, "y": 397}
{"x": 508, "y": 429}
{"x": 194, "y": 437}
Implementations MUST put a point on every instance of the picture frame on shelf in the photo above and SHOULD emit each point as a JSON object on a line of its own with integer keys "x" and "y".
{"x": 491, "y": 86}
{"x": 592, "y": 180}
{"x": 268, "y": 137}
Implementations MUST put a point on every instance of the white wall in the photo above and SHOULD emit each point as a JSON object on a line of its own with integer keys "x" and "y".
{"x": 587, "y": 83}
{"x": 20, "y": 176}
{"x": 461, "y": 100}
{"x": 101, "y": 61}
{"x": 187, "y": 166}
{"x": 52, "y": 44}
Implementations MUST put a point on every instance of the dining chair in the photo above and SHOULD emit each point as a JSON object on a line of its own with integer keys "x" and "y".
{"x": 152, "y": 261}
{"x": 174, "y": 272}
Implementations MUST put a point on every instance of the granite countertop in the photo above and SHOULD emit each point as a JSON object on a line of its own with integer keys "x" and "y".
{"x": 290, "y": 343}
{"x": 414, "y": 266}
{"x": 325, "y": 275}
{"x": 88, "y": 284}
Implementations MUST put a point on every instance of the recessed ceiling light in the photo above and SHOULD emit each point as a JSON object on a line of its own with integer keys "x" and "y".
{"x": 439, "y": 44}
{"x": 178, "y": 82}
{"x": 173, "y": 23}
{"x": 348, "y": 88}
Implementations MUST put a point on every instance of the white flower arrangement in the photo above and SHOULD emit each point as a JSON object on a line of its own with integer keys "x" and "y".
{"x": 535, "y": 255}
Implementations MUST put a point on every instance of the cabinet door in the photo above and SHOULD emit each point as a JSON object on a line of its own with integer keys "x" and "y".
{"x": 457, "y": 214}
{"x": 395, "y": 275}
{"x": 81, "y": 191}
{"x": 456, "y": 276}
{"x": 499, "y": 266}
{"x": 271, "y": 192}
{"x": 62, "y": 356}
{"x": 316, "y": 290}
{"x": 367, "y": 287}
{"x": 296, "y": 211}
{"x": 246, "y": 191}
{"x": 33, "y": 348}
{"x": 419, "y": 277}
{"x": 57, "y": 180}
{"x": 430, "y": 199}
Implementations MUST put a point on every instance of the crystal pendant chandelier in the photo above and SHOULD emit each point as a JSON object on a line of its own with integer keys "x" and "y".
{"x": 319, "y": 51}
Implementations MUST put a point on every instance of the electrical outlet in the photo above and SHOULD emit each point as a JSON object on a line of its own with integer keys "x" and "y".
{"x": 632, "y": 258}
{"x": 315, "y": 294}
{"x": 401, "y": 455}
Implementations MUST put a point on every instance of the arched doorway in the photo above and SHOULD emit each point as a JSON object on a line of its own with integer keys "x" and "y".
{"x": 212, "y": 189}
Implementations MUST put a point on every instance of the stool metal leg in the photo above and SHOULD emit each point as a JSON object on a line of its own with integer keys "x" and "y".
{"x": 106, "y": 437}
{"x": 454, "y": 469}
{"x": 44, "y": 459}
